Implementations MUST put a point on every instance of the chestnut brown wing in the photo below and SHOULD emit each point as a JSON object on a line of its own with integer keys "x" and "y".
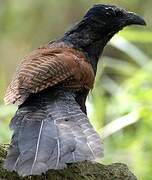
{"x": 42, "y": 68}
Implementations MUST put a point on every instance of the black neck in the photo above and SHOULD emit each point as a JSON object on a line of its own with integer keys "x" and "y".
{"x": 90, "y": 37}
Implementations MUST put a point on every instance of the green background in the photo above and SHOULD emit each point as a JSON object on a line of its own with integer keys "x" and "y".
{"x": 120, "y": 106}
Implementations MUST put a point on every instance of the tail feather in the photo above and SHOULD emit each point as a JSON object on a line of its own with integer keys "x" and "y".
{"x": 37, "y": 145}
{"x": 49, "y": 133}
{"x": 12, "y": 156}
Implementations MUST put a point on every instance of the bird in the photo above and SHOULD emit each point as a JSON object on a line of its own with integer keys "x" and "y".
{"x": 50, "y": 87}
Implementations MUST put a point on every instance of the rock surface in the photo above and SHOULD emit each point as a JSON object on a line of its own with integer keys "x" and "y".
{"x": 77, "y": 171}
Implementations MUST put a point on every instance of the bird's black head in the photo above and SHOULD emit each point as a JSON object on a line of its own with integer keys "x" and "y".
{"x": 111, "y": 19}
{"x": 97, "y": 27}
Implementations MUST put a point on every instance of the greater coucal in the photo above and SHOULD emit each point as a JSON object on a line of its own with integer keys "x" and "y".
{"x": 51, "y": 84}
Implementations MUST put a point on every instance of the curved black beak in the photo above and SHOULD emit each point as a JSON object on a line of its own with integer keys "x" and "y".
{"x": 133, "y": 18}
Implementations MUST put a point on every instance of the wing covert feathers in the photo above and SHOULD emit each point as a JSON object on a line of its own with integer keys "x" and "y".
{"x": 46, "y": 67}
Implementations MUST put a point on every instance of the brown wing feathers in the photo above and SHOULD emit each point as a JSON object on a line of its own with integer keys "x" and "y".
{"x": 47, "y": 67}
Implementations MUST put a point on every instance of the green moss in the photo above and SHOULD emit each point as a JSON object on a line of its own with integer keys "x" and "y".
{"x": 78, "y": 171}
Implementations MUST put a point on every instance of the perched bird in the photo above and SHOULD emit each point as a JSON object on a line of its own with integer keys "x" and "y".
{"x": 50, "y": 86}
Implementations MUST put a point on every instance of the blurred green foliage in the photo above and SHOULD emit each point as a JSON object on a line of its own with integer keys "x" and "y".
{"x": 123, "y": 88}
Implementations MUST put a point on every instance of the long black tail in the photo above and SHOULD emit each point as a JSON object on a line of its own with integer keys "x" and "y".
{"x": 49, "y": 132}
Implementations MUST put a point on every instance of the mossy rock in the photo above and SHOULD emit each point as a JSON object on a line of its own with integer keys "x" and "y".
{"x": 77, "y": 171}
